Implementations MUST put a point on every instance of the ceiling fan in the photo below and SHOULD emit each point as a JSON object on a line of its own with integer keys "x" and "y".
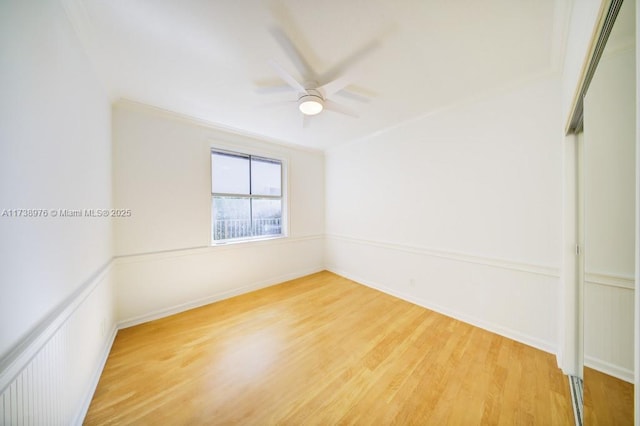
{"x": 315, "y": 91}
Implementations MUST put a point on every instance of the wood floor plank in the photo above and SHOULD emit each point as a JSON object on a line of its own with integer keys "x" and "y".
{"x": 324, "y": 350}
{"x": 607, "y": 400}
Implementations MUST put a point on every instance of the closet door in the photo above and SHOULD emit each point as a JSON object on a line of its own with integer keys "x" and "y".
{"x": 609, "y": 228}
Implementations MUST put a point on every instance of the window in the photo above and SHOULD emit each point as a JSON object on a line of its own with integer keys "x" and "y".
{"x": 246, "y": 193}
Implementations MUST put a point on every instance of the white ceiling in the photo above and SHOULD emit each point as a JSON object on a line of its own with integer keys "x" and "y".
{"x": 209, "y": 58}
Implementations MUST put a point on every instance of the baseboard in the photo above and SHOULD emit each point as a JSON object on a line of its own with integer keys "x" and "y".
{"x": 91, "y": 389}
{"x": 176, "y": 309}
{"x": 494, "y": 328}
{"x": 611, "y": 369}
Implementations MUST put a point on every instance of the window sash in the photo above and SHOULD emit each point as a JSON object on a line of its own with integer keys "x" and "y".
{"x": 249, "y": 225}
{"x": 250, "y": 158}
{"x": 230, "y": 173}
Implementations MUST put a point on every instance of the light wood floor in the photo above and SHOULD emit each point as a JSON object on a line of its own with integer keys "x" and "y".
{"x": 324, "y": 350}
{"x": 607, "y": 400}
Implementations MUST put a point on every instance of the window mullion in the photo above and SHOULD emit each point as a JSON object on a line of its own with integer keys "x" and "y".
{"x": 251, "y": 199}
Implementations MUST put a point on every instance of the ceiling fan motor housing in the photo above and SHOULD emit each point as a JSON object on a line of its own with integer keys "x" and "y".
{"x": 311, "y": 102}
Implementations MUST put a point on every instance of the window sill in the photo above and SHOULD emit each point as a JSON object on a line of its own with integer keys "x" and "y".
{"x": 247, "y": 240}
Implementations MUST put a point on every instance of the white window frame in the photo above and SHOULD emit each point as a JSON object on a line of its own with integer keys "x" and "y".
{"x": 250, "y": 152}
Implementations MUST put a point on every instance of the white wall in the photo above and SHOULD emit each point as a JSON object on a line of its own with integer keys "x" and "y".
{"x": 459, "y": 211}
{"x": 609, "y": 167}
{"x": 55, "y": 153}
{"x": 162, "y": 173}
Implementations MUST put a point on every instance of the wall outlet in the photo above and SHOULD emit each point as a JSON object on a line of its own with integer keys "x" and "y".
{"x": 103, "y": 328}
{"x": 412, "y": 282}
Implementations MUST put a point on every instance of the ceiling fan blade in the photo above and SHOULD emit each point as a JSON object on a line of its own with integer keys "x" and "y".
{"x": 343, "y": 66}
{"x": 346, "y": 93}
{"x": 335, "y": 86}
{"x": 357, "y": 93}
{"x": 275, "y": 104}
{"x": 296, "y": 56}
{"x": 271, "y": 85}
{"x": 274, "y": 89}
{"x": 288, "y": 78}
{"x": 336, "y": 107}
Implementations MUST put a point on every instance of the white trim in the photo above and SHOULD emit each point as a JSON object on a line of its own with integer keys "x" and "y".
{"x": 457, "y": 256}
{"x": 570, "y": 294}
{"x": 93, "y": 385}
{"x": 494, "y": 328}
{"x": 610, "y": 280}
{"x": 176, "y": 309}
{"x": 189, "y": 251}
{"x": 608, "y": 368}
{"x": 19, "y": 357}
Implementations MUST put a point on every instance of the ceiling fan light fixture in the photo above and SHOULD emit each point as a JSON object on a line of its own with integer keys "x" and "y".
{"x": 310, "y": 104}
